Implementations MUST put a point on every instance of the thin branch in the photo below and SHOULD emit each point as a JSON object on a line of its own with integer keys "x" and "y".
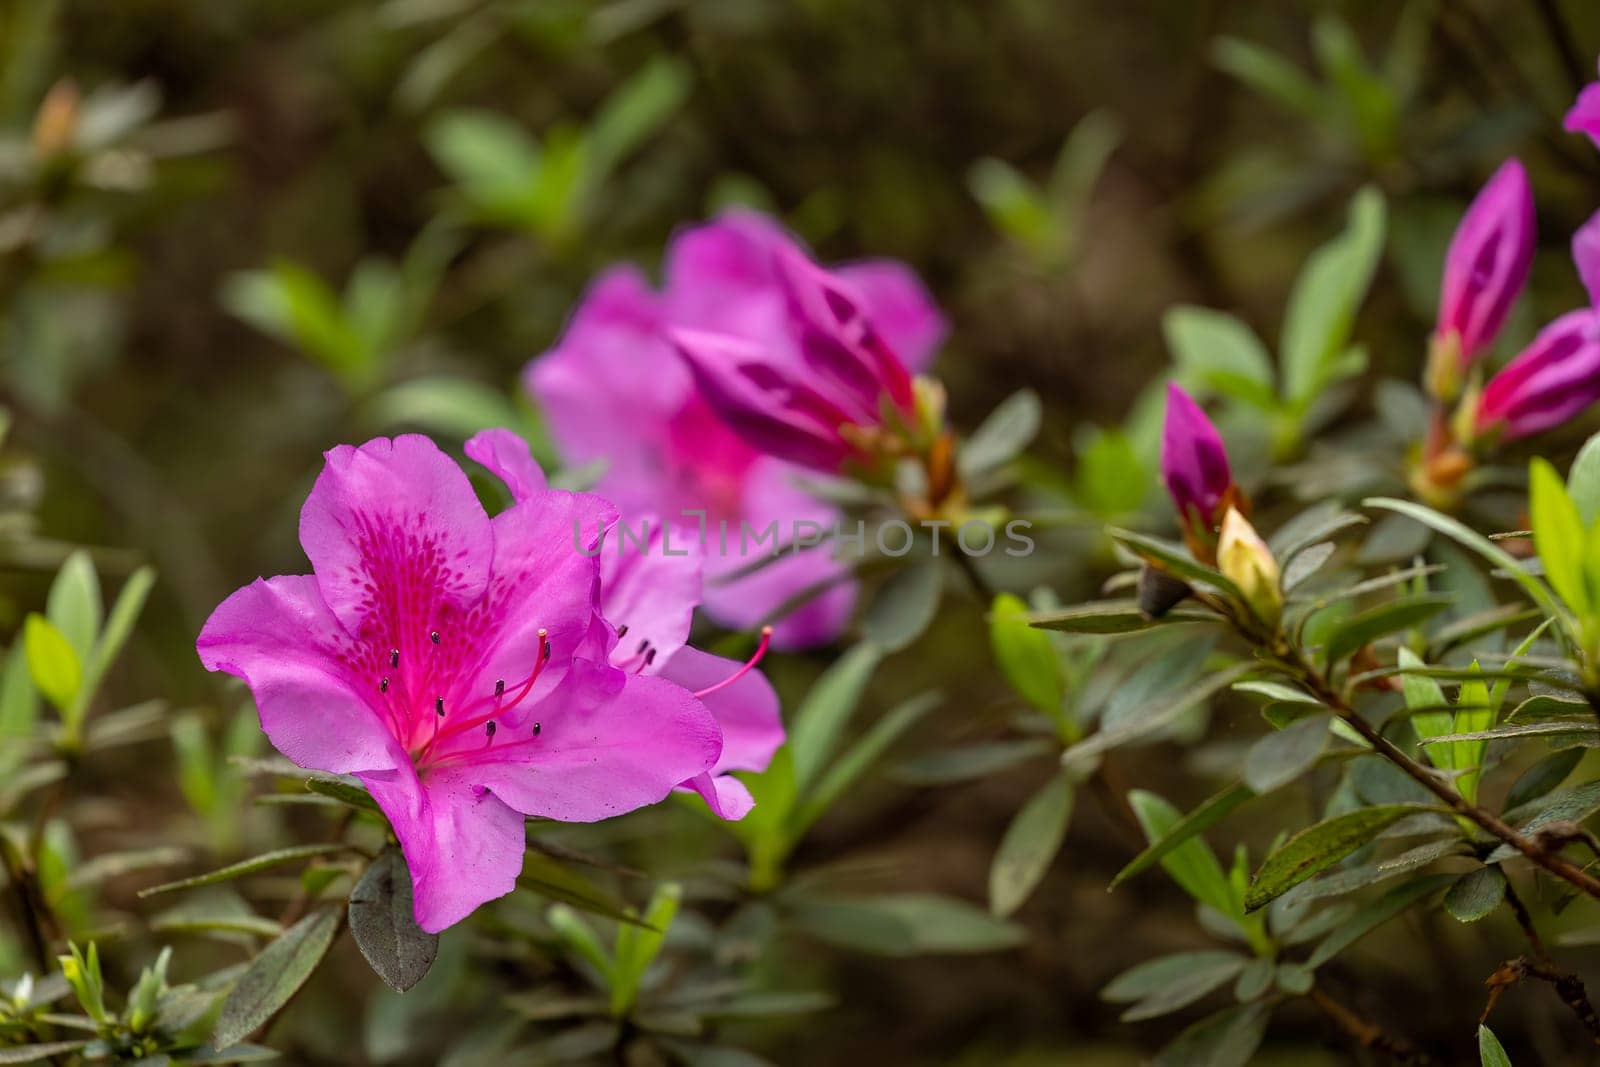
{"x": 1569, "y": 987}
{"x": 1367, "y": 1033}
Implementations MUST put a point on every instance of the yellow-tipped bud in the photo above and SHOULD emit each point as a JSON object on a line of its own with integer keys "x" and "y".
{"x": 1246, "y": 560}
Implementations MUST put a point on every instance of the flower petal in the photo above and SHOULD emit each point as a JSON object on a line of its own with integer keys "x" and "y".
{"x": 1586, "y": 255}
{"x": 507, "y": 457}
{"x": 900, "y": 307}
{"x": 597, "y": 756}
{"x": 651, "y": 589}
{"x": 1584, "y": 115}
{"x": 463, "y": 845}
{"x": 396, "y": 537}
{"x": 725, "y": 795}
{"x": 277, "y": 636}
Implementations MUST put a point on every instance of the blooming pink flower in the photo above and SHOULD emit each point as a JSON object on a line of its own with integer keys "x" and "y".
{"x": 1194, "y": 462}
{"x": 457, "y": 665}
{"x": 1553, "y": 379}
{"x": 1584, "y": 115}
{"x": 1486, "y": 266}
{"x": 1586, "y": 256}
{"x": 613, "y": 390}
{"x": 648, "y": 594}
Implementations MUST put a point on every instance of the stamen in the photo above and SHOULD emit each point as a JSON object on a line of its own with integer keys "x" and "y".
{"x": 434, "y": 637}
{"x": 489, "y": 729}
{"x": 438, "y": 706}
{"x": 536, "y": 728}
{"x": 383, "y": 686}
{"x": 500, "y": 687}
{"x": 622, "y": 631}
{"x": 761, "y": 650}
{"x": 470, "y": 718}
{"x": 394, "y": 657}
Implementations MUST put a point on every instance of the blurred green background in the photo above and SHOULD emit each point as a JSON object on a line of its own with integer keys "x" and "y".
{"x": 234, "y": 234}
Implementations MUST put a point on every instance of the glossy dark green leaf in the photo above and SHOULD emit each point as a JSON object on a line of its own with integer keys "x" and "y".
{"x": 382, "y": 921}
{"x": 1112, "y": 617}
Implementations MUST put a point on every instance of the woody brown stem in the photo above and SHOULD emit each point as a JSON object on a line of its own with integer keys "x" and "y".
{"x": 1366, "y": 1032}
{"x": 1569, "y": 987}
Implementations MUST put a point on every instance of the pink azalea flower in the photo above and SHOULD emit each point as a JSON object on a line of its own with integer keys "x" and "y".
{"x": 613, "y": 391}
{"x": 1584, "y": 115}
{"x": 648, "y": 594}
{"x": 1552, "y": 380}
{"x": 457, "y": 665}
{"x": 1586, "y": 256}
{"x": 1486, "y": 265}
{"x": 1194, "y": 462}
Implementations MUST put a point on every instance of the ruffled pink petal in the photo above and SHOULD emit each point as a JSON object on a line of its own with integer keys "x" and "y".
{"x": 596, "y": 756}
{"x": 747, "y": 710}
{"x": 464, "y": 847}
{"x": 721, "y": 276}
{"x": 725, "y": 795}
{"x": 1584, "y": 116}
{"x": 507, "y": 457}
{"x": 397, "y": 538}
{"x": 277, "y": 636}
{"x": 651, "y": 589}
{"x": 900, "y": 308}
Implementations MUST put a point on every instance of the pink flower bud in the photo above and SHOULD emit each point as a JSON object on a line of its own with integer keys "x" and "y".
{"x": 1486, "y": 265}
{"x": 1194, "y": 461}
{"x": 1553, "y": 379}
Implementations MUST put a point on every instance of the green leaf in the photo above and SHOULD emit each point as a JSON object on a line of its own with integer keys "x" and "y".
{"x": 1158, "y": 715}
{"x": 119, "y": 625}
{"x": 1221, "y": 353}
{"x": 1007, "y": 430}
{"x": 1025, "y": 656}
{"x": 1190, "y": 863}
{"x": 1433, "y": 717}
{"x": 275, "y": 976}
{"x": 1210, "y": 812}
{"x": 847, "y": 770}
{"x": 491, "y": 157}
{"x": 1322, "y": 307}
{"x": 1583, "y": 482}
{"x": 1272, "y": 76}
{"x": 1476, "y": 894}
{"x": 638, "y": 945}
{"x": 1478, "y": 543}
{"x": 821, "y": 718}
{"x": 1367, "y": 626}
{"x": 1169, "y": 983}
{"x": 1227, "y": 1039}
{"x": 452, "y": 406}
{"x": 1319, "y": 847}
{"x": 1374, "y": 914}
{"x": 967, "y": 762}
{"x": 1543, "y": 776}
{"x": 19, "y": 709}
{"x": 385, "y": 927}
{"x": 51, "y": 661}
{"x": 1029, "y": 845}
{"x": 1013, "y": 204}
{"x": 1112, "y": 617}
{"x": 39, "y": 1053}
{"x": 1285, "y": 755}
{"x": 558, "y": 881}
{"x": 634, "y": 112}
{"x": 253, "y": 865}
{"x": 1175, "y": 560}
{"x": 1490, "y": 1052}
{"x": 1559, "y": 536}
{"x": 904, "y": 924}
{"x": 904, "y": 606}
{"x": 1110, "y": 479}
{"x": 74, "y": 605}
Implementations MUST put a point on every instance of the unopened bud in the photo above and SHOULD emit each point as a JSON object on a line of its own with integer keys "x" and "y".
{"x": 1245, "y": 560}
{"x": 56, "y": 123}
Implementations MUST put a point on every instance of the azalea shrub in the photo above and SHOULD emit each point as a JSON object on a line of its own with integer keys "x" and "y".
{"x": 630, "y": 615}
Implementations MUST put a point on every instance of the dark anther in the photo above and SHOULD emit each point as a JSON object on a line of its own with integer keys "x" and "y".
{"x": 622, "y": 631}
{"x": 643, "y": 645}
{"x": 383, "y": 686}
{"x": 489, "y": 727}
{"x": 500, "y": 687}
{"x": 536, "y": 729}
{"x": 434, "y": 637}
{"x": 438, "y": 706}
{"x": 547, "y": 651}
{"x": 394, "y": 657}
{"x": 649, "y": 657}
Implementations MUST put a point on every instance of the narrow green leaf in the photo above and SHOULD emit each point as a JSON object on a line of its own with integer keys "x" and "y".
{"x": 1475, "y": 894}
{"x": 1030, "y": 845}
{"x": 557, "y": 881}
{"x": 1559, "y": 536}
{"x": 1322, "y": 308}
{"x": 849, "y": 768}
{"x": 1221, "y": 352}
{"x": 1160, "y": 714}
{"x": 51, "y": 661}
{"x": 1490, "y": 1052}
{"x": 1422, "y": 692}
{"x": 253, "y": 865}
{"x": 1169, "y": 983}
{"x": 1112, "y": 617}
{"x": 822, "y": 716}
{"x": 1191, "y": 863}
{"x": 1319, "y": 847}
{"x": 1007, "y": 430}
{"x": 39, "y": 1053}
{"x": 1367, "y": 626}
{"x": 1543, "y": 776}
{"x": 904, "y": 606}
{"x": 1374, "y": 914}
{"x": 639, "y": 944}
{"x": 275, "y": 976}
{"x": 384, "y": 926}
{"x": 1210, "y": 812}
{"x": 1285, "y": 755}
{"x": 1025, "y": 656}
{"x": 1583, "y": 482}
{"x": 904, "y": 924}
{"x": 1227, "y": 1039}
{"x": 74, "y": 606}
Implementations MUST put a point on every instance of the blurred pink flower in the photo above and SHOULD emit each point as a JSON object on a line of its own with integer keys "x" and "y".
{"x": 1194, "y": 463}
{"x": 1486, "y": 265}
{"x": 1586, "y": 256}
{"x": 1552, "y": 380}
{"x": 648, "y": 594}
{"x": 1584, "y": 115}
{"x": 613, "y": 390}
{"x": 457, "y": 665}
